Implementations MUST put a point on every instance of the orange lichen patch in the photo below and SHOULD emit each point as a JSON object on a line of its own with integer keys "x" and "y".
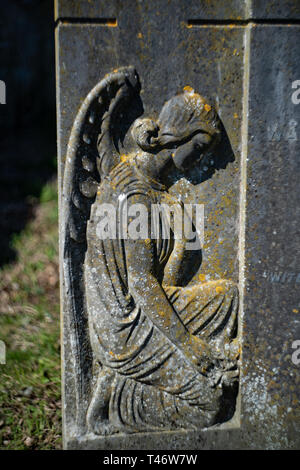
{"x": 123, "y": 158}
{"x": 235, "y": 116}
{"x": 112, "y": 185}
{"x": 194, "y": 98}
{"x": 139, "y": 35}
{"x": 295, "y": 310}
{"x": 219, "y": 290}
{"x": 188, "y": 89}
{"x": 112, "y": 23}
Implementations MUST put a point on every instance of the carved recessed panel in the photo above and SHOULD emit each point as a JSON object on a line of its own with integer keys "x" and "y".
{"x": 153, "y": 344}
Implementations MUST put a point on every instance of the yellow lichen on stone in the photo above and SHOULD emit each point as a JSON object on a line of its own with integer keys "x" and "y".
{"x": 123, "y": 158}
{"x": 112, "y": 23}
{"x": 188, "y": 89}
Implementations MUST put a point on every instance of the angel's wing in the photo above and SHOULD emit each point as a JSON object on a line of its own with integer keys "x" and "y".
{"x": 92, "y": 152}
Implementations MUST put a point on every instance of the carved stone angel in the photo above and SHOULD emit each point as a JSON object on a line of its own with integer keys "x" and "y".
{"x": 167, "y": 352}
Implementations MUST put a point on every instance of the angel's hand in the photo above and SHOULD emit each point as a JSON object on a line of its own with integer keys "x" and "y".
{"x": 200, "y": 354}
{"x": 205, "y": 356}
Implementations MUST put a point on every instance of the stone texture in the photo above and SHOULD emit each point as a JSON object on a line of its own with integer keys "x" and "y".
{"x": 204, "y": 9}
{"x": 275, "y": 9}
{"x": 271, "y": 304}
{"x": 194, "y": 9}
{"x": 247, "y": 199}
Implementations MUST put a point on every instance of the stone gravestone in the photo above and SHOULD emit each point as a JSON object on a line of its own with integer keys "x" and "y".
{"x": 176, "y": 339}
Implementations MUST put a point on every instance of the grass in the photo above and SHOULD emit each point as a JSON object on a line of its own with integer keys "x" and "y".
{"x": 30, "y": 406}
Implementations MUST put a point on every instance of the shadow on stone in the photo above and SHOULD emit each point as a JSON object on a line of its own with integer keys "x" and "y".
{"x": 216, "y": 160}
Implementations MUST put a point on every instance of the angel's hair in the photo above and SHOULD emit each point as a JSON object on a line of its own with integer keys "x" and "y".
{"x": 181, "y": 117}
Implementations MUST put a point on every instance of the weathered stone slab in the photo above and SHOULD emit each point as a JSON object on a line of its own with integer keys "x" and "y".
{"x": 194, "y": 9}
{"x": 247, "y": 190}
{"x": 204, "y": 9}
{"x": 275, "y": 9}
{"x": 271, "y": 303}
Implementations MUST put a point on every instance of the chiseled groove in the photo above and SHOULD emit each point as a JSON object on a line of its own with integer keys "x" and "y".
{"x": 109, "y": 22}
{"x": 231, "y": 23}
{"x": 243, "y": 186}
{"x": 190, "y": 23}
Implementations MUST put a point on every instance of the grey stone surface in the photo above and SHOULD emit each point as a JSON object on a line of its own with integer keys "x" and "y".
{"x": 275, "y": 9}
{"x": 194, "y": 9}
{"x": 246, "y": 72}
{"x": 271, "y": 304}
{"x": 204, "y": 9}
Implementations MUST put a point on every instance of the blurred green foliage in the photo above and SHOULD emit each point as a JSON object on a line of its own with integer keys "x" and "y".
{"x": 30, "y": 406}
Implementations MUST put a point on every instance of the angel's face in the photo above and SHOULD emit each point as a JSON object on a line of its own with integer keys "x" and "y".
{"x": 192, "y": 152}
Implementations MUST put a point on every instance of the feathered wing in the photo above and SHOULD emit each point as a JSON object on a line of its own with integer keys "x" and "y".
{"x": 92, "y": 152}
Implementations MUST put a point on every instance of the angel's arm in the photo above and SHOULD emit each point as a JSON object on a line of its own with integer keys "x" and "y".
{"x": 173, "y": 270}
{"x": 149, "y": 294}
{"x": 183, "y": 263}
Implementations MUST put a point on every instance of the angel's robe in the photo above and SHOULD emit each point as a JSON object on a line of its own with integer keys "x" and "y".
{"x": 154, "y": 386}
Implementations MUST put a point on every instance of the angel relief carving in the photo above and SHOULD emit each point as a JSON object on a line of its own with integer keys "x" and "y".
{"x": 148, "y": 350}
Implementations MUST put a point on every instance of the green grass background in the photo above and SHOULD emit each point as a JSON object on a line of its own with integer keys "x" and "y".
{"x": 30, "y": 396}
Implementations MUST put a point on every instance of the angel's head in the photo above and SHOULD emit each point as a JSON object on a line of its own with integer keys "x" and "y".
{"x": 187, "y": 125}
